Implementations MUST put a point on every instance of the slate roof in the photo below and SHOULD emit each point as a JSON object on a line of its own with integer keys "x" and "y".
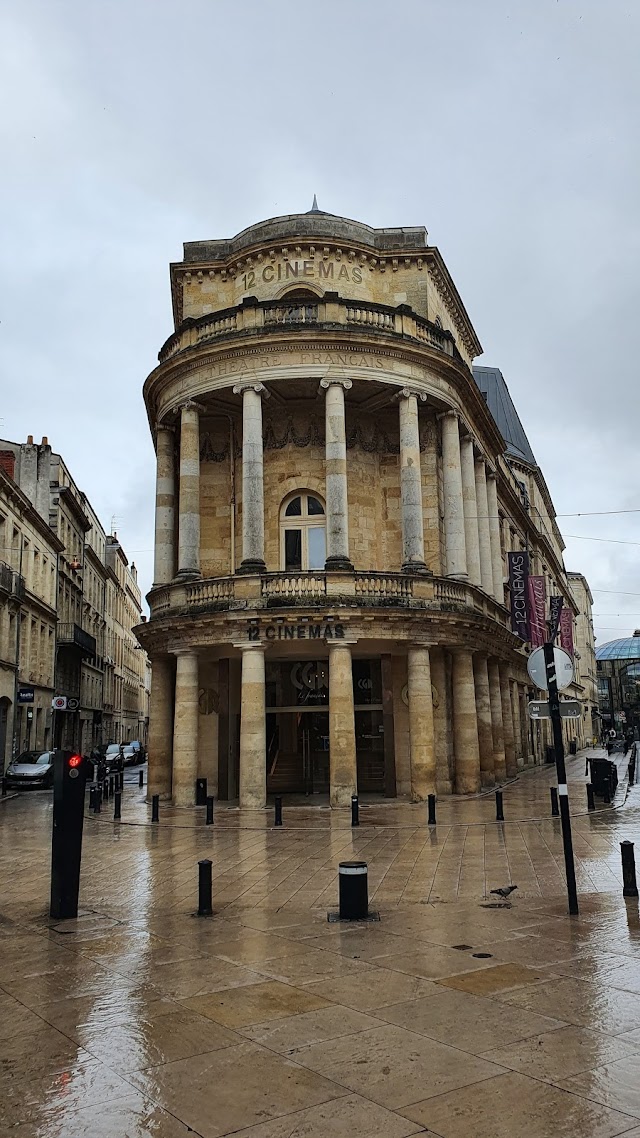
{"x": 492, "y": 384}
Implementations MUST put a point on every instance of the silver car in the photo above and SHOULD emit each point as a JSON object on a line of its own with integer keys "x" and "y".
{"x": 31, "y": 768}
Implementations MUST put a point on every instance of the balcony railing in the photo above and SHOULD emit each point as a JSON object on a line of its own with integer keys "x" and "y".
{"x": 360, "y": 589}
{"x": 11, "y": 583}
{"x": 76, "y": 637}
{"x": 253, "y": 315}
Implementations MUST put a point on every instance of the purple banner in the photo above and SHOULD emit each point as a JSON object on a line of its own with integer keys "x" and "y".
{"x": 537, "y": 595}
{"x": 518, "y": 578}
{"x": 566, "y": 631}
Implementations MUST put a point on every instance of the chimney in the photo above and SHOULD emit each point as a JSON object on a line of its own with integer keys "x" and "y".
{"x": 45, "y": 441}
{"x": 29, "y": 440}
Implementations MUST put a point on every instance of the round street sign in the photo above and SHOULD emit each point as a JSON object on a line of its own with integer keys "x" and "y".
{"x": 537, "y": 669}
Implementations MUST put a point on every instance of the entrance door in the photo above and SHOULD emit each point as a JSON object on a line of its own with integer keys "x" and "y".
{"x": 298, "y": 751}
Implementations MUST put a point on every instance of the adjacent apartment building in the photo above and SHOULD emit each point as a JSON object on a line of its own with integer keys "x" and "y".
{"x": 68, "y": 602}
{"x": 338, "y": 493}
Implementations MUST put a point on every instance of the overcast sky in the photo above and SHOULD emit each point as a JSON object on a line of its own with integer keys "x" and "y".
{"x": 509, "y": 128}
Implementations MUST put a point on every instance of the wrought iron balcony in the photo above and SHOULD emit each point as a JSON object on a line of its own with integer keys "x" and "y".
{"x": 71, "y": 635}
{"x": 11, "y": 583}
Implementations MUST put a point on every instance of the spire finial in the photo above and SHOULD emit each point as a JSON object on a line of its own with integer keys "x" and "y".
{"x": 314, "y": 207}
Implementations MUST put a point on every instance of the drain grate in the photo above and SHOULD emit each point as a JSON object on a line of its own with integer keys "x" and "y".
{"x": 334, "y": 918}
{"x": 462, "y": 947}
{"x": 482, "y": 955}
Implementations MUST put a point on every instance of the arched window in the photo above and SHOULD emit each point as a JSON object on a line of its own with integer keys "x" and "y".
{"x": 302, "y": 533}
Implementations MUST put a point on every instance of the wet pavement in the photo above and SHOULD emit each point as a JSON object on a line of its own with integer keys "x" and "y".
{"x": 448, "y": 1016}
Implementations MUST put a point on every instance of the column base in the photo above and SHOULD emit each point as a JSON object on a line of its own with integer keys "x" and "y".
{"x": 417, "y": 567}
{"x": 338, "y": 563}
{"x": 464, "y": 577}
{"x": 188, "y": 575}
{"x": 251, "y": 565}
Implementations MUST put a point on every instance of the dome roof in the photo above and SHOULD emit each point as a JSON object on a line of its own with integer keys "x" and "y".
{"x": 626, "y": 649}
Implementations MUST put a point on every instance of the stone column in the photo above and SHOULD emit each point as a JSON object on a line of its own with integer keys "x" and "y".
{"x": 494, "y": 538}
{"x": 485, "y": 728}
{"x": 470, "y": 509}
{"x": 161, "y": 727}
{"x": 253, "y": 729}
{"x": 465, "y": 726}
{"x": 165, "y": 555}
{"x": 189, "y": 506}
{"x": 423, "y": 759}
{"x": 252, "y": 477}
{"x": 499, "y": 761}
{"x": 411, "y": 483}
{"x": 507, "y": 723}
{"x": 185, "y": 729}
{"x": 343, "y": 774}
{"x": 517, "y": 724}
{"x": 336, "y": 474}
{"x": 440, "y": 720}
{"x": 486, "y": 565}
{"x": 456, "y": 560}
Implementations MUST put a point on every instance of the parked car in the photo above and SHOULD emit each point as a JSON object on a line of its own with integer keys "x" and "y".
{"x": 31, "y": 768}
{"x": 115, "y": 751}
{"x": 137, "y": 746}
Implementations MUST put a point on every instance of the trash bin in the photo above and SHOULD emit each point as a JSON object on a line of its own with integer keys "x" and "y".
{"x": 573, "y": 747}
{"x": 550, "y": 755}
{"x": 604, "y": 776}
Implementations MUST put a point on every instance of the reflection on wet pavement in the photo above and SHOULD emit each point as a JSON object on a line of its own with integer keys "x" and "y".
{"x": 266, "y": 1021}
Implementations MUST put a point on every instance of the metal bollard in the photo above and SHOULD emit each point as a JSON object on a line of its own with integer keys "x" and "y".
{"x": 92, "y": 796}
{"x": 631, "y": 771}
{"x": 141, "y": 779}
{"x": 278, "y": 817}
{"x": 353, "y": 884}
{"x": 355, "y": 810}
{"x": 97, "y": 798}
{"x": 209, "y": 821}
{"x": 591, "y": 802}
{"x": 201, "y": 792}
{"x": 105, "y": 790}
{"x": 555, "y": 812}
{"x": 155, "y": 808}
{"x": 117, "y": 806}
{"x": 629, "y": 885}
{"x": 499, "y": 809}
{"x": 606, "y": 794}
{"x": 205, "y": 908}
{"x": 431, "y": 809}
{"x": 112, "y": 786}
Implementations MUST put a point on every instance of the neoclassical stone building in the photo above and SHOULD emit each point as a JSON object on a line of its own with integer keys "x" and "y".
{"x": 328, "y": 609}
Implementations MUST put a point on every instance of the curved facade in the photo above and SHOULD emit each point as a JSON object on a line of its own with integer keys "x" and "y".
{"x": 334, "y": 508}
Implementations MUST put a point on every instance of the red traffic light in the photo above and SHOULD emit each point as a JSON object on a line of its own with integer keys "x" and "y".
{"x": 75, "y": 760}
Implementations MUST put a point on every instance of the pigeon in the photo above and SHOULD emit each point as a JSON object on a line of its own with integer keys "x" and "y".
{"x": 505, "y": 891}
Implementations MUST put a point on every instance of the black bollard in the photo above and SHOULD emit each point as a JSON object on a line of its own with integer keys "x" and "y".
{"x": 209, "y": 821}
{"x": 431, "y": 809}
{"x": 201, "y": 792}
{"x": 105, "y": 790}
{"x": 112, "y": 786}
{"x": 155, "y": 808}
{"x": 629, "y": 885}
{"x": 278, "y": 817}
{"x": 97, "y": 798}
{"x": 591, "y": 802}
{"x": 92, "y": 797}
{"x": 355, "y": 810}
{"x": 606, "y": 793}
{"x": 353, "y": 890}
{"x": 499, "y": 809}
{"x": 631, "y": 771}
{"x": 141, "y": 779}
{"x": 4, "y": 787}
{"x": 555, "y": 812}
{"x": 205, "y": 908}
{"x": 117, "y": 806}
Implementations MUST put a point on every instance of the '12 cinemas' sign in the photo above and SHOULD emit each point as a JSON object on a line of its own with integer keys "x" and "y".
{"x": 518, "y": 582}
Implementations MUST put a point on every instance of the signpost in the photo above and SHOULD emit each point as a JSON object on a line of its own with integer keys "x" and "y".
{"x": 537, "y": 668}
{"x": 569, "y": 709}
{"x": 552, "y": 684}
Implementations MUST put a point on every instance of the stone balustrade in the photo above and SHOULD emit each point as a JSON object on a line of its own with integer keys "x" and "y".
{"x": 369, "y": 589}
{"x": 253, "y": 314}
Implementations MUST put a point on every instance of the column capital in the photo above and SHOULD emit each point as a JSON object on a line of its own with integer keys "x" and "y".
{"x": 191, "y": 405}
{"x": 163, "y": 426}
{"x": 408, "y": 392}
{"x": 451, "y": 413}
{"x": 247, "y": 645}
{"x": 182, "y": 651}
{"x": 251, "y": 385}
{"x": 340, "y": 381}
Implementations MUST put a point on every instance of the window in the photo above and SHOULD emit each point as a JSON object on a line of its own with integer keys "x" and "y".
{"x": 302, "y": 533}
